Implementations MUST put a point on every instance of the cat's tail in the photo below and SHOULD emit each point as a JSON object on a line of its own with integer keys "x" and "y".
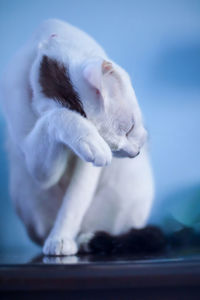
{"x": 136, "y": 241}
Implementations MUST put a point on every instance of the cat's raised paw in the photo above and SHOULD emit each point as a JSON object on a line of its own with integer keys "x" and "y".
{"x": 59, "y": 246}
{"x": 94, "y": 149}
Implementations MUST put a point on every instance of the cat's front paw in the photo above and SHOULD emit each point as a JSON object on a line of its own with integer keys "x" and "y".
{"x": 59, "y": 246}
{"x": 94, "y": 149}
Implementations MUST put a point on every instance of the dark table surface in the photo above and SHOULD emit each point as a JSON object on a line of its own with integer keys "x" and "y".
{"x": 169, "y": 275}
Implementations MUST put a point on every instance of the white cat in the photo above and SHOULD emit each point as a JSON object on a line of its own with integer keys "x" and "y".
{"x": 70, "y": 111}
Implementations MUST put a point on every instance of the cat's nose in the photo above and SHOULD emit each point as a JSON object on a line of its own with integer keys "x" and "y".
{"x": 130, "y": 150}
{"x": 132, "y": 155}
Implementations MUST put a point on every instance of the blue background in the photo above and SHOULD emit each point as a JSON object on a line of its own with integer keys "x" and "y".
{"x": 158, "y": 43}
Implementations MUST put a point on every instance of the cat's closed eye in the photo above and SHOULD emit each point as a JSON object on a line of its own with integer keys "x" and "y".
{"x": 129, "y": 131}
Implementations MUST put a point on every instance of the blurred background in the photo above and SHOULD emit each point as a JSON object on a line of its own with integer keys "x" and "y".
{"x": 158, "y": 43}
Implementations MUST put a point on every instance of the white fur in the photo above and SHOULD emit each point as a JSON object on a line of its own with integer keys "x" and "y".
{"x": 60, "y": 196}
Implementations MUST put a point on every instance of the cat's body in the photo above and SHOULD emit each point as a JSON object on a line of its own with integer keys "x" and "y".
{"x": 62, "y": 197}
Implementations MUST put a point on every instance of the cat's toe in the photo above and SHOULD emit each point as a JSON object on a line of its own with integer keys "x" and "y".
{"x": 59, "y": 246}
{"x": 103, "y": 156}
{"x": 95, "y": 151}
{"x": 102, "y": 153}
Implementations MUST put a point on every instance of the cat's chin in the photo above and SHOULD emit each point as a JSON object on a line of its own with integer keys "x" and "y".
{"x": 123, "y": 154}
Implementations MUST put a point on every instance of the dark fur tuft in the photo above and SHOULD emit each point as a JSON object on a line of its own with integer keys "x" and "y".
{"x": 137, "y": 241}
{"x": 56, "y": 84}
{"x": 102, "y": 242}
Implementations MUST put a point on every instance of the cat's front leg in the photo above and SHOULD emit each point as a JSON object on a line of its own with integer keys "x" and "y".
{"x": 78, "y": 197}
{"x": 44, "y": 148}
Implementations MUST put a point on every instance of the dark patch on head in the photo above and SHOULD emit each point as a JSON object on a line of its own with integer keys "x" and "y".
{"x": 56, "y": 84}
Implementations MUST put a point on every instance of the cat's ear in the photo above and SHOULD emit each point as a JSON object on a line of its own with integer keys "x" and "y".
{"x": 98, "y": 73}
{"x": 47, "y": 43}
{"x": 92, "y": 72}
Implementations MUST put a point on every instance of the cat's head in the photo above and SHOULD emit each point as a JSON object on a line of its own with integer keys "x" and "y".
{"x": 110, "y": 103}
